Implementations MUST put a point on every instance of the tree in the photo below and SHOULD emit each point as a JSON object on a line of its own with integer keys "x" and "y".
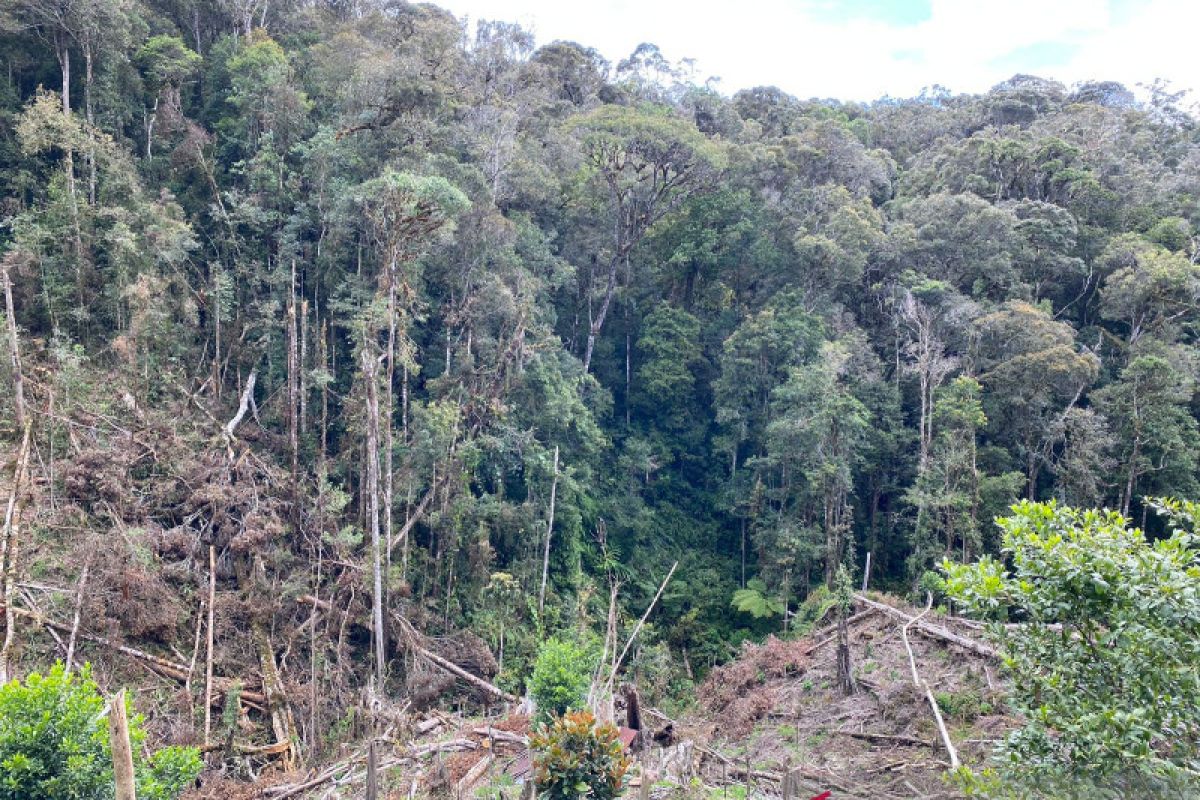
{"x": 560, "y": 679}
{"x": 1103, "y": 660}
{"x": 1034, "y": 373}
{"x": 816, "y": 440}
{"x": 646, "y": 162}
{"x": 1156, "y": 437}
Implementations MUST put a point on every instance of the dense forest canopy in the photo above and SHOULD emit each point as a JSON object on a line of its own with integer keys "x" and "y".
{"x": 403, "y": 316}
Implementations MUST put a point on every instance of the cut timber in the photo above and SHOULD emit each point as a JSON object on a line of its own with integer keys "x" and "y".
{"x": 501, "y": 736}
{"x": 473, "y": 775}
{"x": 929, "y": 629}
{"x": 122, "y": 752}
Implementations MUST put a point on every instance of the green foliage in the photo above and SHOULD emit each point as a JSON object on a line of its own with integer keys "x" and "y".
{"x": 756, "y": 601}
{"x": 54, "y": 744}
{"x": 574, "y": 757}
{"x": 1103, "y": 660}
{"x": 561, "y": 677}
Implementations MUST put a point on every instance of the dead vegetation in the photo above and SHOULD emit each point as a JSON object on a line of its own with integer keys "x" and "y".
{"x": 780, "y": 704}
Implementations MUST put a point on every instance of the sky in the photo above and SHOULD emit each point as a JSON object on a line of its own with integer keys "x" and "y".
{"x": 866, "y": 49}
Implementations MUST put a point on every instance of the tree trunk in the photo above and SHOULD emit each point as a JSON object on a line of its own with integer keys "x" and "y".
{"x": 208, "y": 657}
{"x": 293, "y": 395}
{"x": 844, "y": 671}
{"x": 10, "y": 542}
{"x": 89, "y": 114}
{"x": 371, "y": 386}
{"x": 597, "y": 322}
{"x": 122, "y": 752}
{"x": 14, "y": 345}
{"x": 549, "y": 533}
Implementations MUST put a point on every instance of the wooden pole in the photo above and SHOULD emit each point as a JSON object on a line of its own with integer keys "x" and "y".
{"x": 122, "y": 752}
{"x": 372, "y": 774}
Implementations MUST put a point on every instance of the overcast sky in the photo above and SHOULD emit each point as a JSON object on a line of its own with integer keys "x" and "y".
{"x": 864, "y": 49}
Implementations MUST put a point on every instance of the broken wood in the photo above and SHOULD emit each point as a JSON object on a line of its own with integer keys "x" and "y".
{"x": 122, "y": 752}
{"x": 243, "y": 406}
{"x": 479, "y": 683}
{"x": 501, "y": 736}
{"x": 473, "y": 774}
{"x": 282, "y": 723}
{"x": 162, "y": 666}
{"x": 929, "y": 629}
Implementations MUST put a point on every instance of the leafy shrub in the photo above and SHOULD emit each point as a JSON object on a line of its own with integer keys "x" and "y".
{"x": 1106, "y": 673}
{"x": 561, "y": 677}
{"x": 54, "y": 744}
{"x": 574, "y": 756}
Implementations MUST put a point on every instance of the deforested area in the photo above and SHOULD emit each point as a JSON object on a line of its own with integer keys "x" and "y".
{"x": 395, "y": 405}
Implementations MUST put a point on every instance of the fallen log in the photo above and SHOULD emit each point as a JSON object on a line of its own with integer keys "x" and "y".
{"x": 412, "y": 639}
{"x": 868, "y": 736}
{"x": 501, "y": 736}
{"x": 164, "y": 667}
{"x": 473, "y": 775}
{"x": 930, "y": 630}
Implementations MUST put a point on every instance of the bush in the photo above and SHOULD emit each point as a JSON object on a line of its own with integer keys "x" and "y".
{"x": 573, "y": 757}
{"x": 1105, "y": 668}
{"x": 54, "y": 744}
{"x": 561, "y": 677}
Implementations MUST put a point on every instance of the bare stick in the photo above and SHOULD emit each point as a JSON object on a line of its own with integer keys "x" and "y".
{"x": 208, "y": 658}
{"x": 941, "y": 726}
{"x": 912, "y": 661}
{"x": 612, "y": 676}
{"x": 83, "y": 576}
{"x": 122, "y": 752}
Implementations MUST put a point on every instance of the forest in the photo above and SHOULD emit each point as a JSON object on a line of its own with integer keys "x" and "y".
{"x": 342, "y": 337}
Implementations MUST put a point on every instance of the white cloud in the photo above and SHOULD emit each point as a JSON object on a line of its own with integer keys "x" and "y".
{"x": 966, "y": 45}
